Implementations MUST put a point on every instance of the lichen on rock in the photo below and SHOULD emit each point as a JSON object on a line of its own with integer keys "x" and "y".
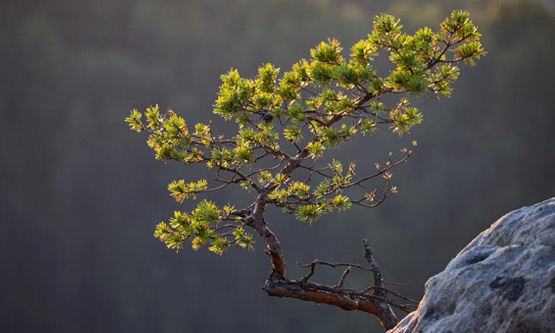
{"x": 502, "y": 281}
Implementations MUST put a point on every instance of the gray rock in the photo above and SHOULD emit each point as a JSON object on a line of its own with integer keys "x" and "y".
{"x": 503, "y": 281}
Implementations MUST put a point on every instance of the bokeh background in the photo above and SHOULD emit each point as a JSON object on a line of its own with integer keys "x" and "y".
{"x": 80, "y": 194}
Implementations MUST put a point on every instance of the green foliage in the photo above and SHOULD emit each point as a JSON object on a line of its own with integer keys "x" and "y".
{"x": 181, "y": 190}
{"x": 134, "y": 120}
{"x": 318, "y": 105}
{"x": 202, "y": 226}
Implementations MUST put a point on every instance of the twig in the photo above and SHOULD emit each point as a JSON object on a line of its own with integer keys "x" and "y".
{"x": 343, "y": 277}
{"x": 333, "y": 264}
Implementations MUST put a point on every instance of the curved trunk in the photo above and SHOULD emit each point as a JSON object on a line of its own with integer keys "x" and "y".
{"x": 279, "y": 285}
{"x": 273, "y": 247}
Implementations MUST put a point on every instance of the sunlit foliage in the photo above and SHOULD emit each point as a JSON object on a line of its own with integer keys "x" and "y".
{"x": 293, "y": 119}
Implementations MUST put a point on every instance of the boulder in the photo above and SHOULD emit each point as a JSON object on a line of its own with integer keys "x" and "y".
{"x": 503, "y": 281}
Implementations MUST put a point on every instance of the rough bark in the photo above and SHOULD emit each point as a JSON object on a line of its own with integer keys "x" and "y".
{"x": 273, "y": 246}
{"x": 277, "y": 285}
{"x": 280, "y": 286}
{"x": 385, "y": 312}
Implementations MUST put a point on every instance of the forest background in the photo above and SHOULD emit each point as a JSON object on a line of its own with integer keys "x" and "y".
{"x": 80, "y": 194}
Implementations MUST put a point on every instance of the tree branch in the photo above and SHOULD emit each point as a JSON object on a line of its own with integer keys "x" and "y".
{"x": 375, "y": 303}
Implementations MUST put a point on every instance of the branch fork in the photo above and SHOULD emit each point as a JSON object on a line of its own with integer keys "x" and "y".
{"x": 373, "y": 300}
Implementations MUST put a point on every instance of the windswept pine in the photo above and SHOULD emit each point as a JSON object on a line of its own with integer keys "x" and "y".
{"x": 287, "y": 125}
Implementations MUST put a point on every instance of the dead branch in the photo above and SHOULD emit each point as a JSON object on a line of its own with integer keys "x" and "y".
{"x": 376, "y": 302}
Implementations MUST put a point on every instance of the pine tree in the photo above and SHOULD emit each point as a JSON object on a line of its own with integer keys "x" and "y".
{"x": 286, "y": 126}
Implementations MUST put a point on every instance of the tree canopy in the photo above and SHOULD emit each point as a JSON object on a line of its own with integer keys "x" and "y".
{"x": 318, "y": 105}
{"x": 288, "y": 122}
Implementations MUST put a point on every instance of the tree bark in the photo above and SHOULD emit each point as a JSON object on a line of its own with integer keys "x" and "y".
{"x": 258, "y": 223}
{"x": 280, "y": 286}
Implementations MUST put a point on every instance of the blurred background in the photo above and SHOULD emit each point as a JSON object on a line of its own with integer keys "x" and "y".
{"x": 80, "y": 194}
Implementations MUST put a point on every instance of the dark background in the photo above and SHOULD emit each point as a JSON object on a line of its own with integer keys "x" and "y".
{"x": 80, "y": 194}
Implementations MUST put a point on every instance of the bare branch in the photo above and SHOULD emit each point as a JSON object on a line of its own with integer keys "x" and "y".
{"x": 343, "y": 277}
{"x": 378, "y": 279}
{"x": 381, "y": 171}
{"x": 376, "y": 303}
{"x": 227, "y": 226}
{"x": 332, "y": 264}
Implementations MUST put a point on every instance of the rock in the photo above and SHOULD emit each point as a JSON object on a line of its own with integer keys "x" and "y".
{"x": 503, "y": 281}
